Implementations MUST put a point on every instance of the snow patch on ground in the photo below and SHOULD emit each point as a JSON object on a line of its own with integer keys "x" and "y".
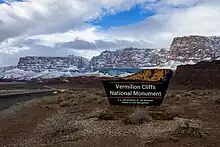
{"x": 97, "y": 74}
{"x": 125, "y": 74}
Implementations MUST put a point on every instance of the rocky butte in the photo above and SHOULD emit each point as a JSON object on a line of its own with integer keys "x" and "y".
{"x": 129, "y": 57}
{"x": 184, "y": 49}
{"x": 195, "y": 48}
{"x": 38, "y": 64}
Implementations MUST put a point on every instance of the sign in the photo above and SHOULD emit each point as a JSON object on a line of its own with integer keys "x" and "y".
{"x": 147, "y": 87}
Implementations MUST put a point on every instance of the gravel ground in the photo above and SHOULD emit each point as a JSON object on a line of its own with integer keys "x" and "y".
{"x": 84, "y": 118}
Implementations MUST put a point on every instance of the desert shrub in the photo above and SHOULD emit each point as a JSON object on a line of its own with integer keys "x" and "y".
{"x": 163, "y": 115}
{"x": 174, "y": 111}
{"x": 58, "y": 125}
{"x": 203, "y": 92}
{"x": 188, "y": 93}
{"x": 217, "y": 102}
{"x": 65, "y": 104}
{"x": 178, "y": 97}
{"x": 169, "y": 94}
{"x": 187, "y": 130}
{"x": 107, "y": 114}
{"x": 138, "y": 117}
{"x": 49, "y": 100}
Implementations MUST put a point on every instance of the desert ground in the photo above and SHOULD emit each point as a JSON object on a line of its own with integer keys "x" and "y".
{"x": 80, "y": 116}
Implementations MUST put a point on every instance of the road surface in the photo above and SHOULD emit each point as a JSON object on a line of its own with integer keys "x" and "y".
{"x": 4, "y": 93}
{"x": 11, "y": 97}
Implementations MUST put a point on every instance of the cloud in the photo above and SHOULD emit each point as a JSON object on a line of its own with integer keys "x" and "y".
{"x": 49, "y": 27}
{"x": 11, "y": 58}
{"x": 86, "y": 53}
{"x": 36, "y": 17}
{"x": 78, "y": 44}
{"x": 88, "y": 34}
{"x": 89, "y": 38}
{"x": 180, "y": 2}
{"x": 102, "y": 44}
{"x": 1, "y": 22}
{"x": 160, "y": 29}
{"x": 20, "y": 21}
{"x": 50, "y": 16}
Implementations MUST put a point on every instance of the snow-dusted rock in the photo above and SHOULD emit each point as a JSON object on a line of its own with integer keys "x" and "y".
{"x": 18, "y": 74}
{"x": 39, "y": 64}
{"x": 183, "y": 50}
{"x": 128, "y": 58}
{"x": 195, "y": 48}
{"x": 97, "y": 74}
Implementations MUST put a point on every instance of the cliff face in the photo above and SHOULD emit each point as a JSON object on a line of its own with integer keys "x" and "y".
{"x": 195, "y": 48}
{"x": 204, "y": 74}
{"x": 182, "y": 50}
{"x": 129, "y": 57}
{"x": 39, "y": 64}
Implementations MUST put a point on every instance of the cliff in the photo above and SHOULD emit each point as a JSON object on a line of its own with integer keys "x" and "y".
{"x": 129, "y": 57}
{"x": 183, "y": 50}
{"x": 38, "y": 64}
{"x": 204, "y": 74}
{"x": 195, "y": 48}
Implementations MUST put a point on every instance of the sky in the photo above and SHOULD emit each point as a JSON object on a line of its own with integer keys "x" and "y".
{"x": 88, "y": 27}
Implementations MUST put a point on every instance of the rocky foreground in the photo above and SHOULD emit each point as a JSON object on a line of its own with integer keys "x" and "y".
{"x": 83, "y": 118}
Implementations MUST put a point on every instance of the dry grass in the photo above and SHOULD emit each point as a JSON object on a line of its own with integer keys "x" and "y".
{"x": 58, "y": 124}
{"x": 58, "y": 128}
{"x": 18, "y": 106}
{"x": 86, "y": 117}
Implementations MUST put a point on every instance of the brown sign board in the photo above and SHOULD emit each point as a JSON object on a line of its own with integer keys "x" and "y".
{"x": 147, "y": 87}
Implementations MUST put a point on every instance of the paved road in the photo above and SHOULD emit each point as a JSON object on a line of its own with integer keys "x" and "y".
{"x": 12, "y": 97}
{"x": 12, "y": 83}
{"x": 12, "y": 91}
{"x": 4, "y": 93}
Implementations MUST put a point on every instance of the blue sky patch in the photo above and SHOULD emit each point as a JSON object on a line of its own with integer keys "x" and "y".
{"x": 2, "y": 1}
{"x": 8, "y": 1}
{"x": 134, "y": 15}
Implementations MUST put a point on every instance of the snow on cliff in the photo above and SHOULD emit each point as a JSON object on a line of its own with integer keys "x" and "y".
{"x": 39, "y": 64}
{"x": 129, "y": 58}
{"x": 172, "y": 64}
{"x": 18, "y": 74}
{"x": 183, "y": 50}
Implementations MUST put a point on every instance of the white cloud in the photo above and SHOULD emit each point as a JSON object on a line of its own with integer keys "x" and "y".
{"x": 86, "y": 53}
{"x": 180, "y": 2}
{"x": 200, "y": 19}
{"x": 60, "y": 21}
{"x": 87, "y": 34}
{"x": 88, "y": 38}
{"x": 35, "y": 27}
{"x": 51, "y": 16}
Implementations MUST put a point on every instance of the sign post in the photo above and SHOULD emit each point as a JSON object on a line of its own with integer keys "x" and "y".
{"x": 147, "y": 87}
